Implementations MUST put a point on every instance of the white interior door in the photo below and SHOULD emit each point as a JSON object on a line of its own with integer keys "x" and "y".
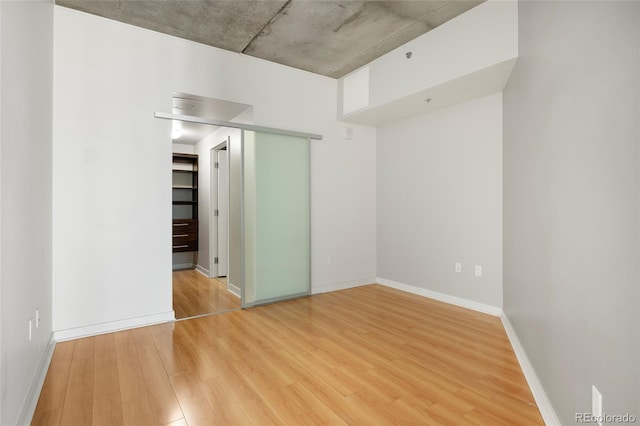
{"x": 223, "y": 212}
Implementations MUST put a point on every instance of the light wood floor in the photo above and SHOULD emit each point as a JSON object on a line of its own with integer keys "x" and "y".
{"x": 369, "y": 355}
{"x": 194, "y": 294}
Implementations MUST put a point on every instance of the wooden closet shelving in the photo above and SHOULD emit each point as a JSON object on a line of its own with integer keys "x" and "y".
{"x": 185, "y": 202}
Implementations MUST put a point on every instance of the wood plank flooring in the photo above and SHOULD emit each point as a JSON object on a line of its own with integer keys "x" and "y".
{"x": 365, "y": 356}
{"x": 194, "y": 294}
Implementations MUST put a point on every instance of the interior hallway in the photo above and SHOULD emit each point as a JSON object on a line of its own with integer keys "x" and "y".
{"x": 367, "y": 355}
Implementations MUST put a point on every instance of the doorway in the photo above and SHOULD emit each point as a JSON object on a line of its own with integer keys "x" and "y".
{"x": 255, "y": 231}
{"x": 200, "y": 274}
{"x": 219, "y": 212}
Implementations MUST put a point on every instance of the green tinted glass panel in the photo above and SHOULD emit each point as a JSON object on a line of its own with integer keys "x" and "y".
{"x": 276, "y": 217}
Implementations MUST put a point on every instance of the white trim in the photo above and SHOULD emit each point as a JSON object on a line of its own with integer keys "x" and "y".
{"x": 234, "y": 289}
{"x": 110, "y": 326}
{"x": 542, "y": 400}
{"x": 213, "y": 204}
{"x": 204, "y": 271}
{"x": 29, "y": 407}
{"x": 325, "y": 288}
{"x": 447, "y": 298}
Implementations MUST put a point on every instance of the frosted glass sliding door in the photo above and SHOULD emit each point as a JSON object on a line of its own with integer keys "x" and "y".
{"x": 276, "y": 217}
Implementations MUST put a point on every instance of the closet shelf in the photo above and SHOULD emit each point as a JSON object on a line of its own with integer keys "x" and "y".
{"x": 185, "y": 204}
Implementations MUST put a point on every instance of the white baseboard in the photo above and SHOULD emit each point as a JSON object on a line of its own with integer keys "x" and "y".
{"x": 204, "y": 271}
{"x": 447, "y": 298}
{"x": 234, "y": 289}
{"x": 29, "y": 407}
{"x": 544, "y": 405}
{"x": 325, "y": 288}
{"x": 111, "y": 326}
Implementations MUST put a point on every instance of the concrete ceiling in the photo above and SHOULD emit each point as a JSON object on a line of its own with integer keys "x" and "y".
{"x": 330, "y": 38}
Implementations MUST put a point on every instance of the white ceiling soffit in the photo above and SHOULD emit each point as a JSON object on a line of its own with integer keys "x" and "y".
{"x": 330, "y": 38}
{"x": 216, "y": 109}
{"x": 462, "y": 89}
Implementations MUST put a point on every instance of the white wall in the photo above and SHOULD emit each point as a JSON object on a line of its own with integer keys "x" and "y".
{"x": 203, "y": 149}
{"x": 343, "y": 208}
{"x": 182, "y": 148}
{"x": 111, "y": 170}
{"x": 2, "y": 381}
{"x": 25, "y": 175}
{"x": 571, "y": 201}
{"x": 440, "y": 200}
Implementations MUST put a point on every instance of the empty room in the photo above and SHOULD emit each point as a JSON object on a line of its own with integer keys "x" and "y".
{"x": 319, "y": 212}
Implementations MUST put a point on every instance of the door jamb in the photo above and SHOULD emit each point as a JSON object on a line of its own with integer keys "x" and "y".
{"x": 213, "y": 205}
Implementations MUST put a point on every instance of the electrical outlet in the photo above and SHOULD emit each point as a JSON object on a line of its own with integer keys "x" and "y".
{"x": 30, "y": 327}
{"x": 478, "y": 271}
{"x": 37, "y": 318}
{"x": 596, "y": 404}
{"x": 458, "y": 267}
